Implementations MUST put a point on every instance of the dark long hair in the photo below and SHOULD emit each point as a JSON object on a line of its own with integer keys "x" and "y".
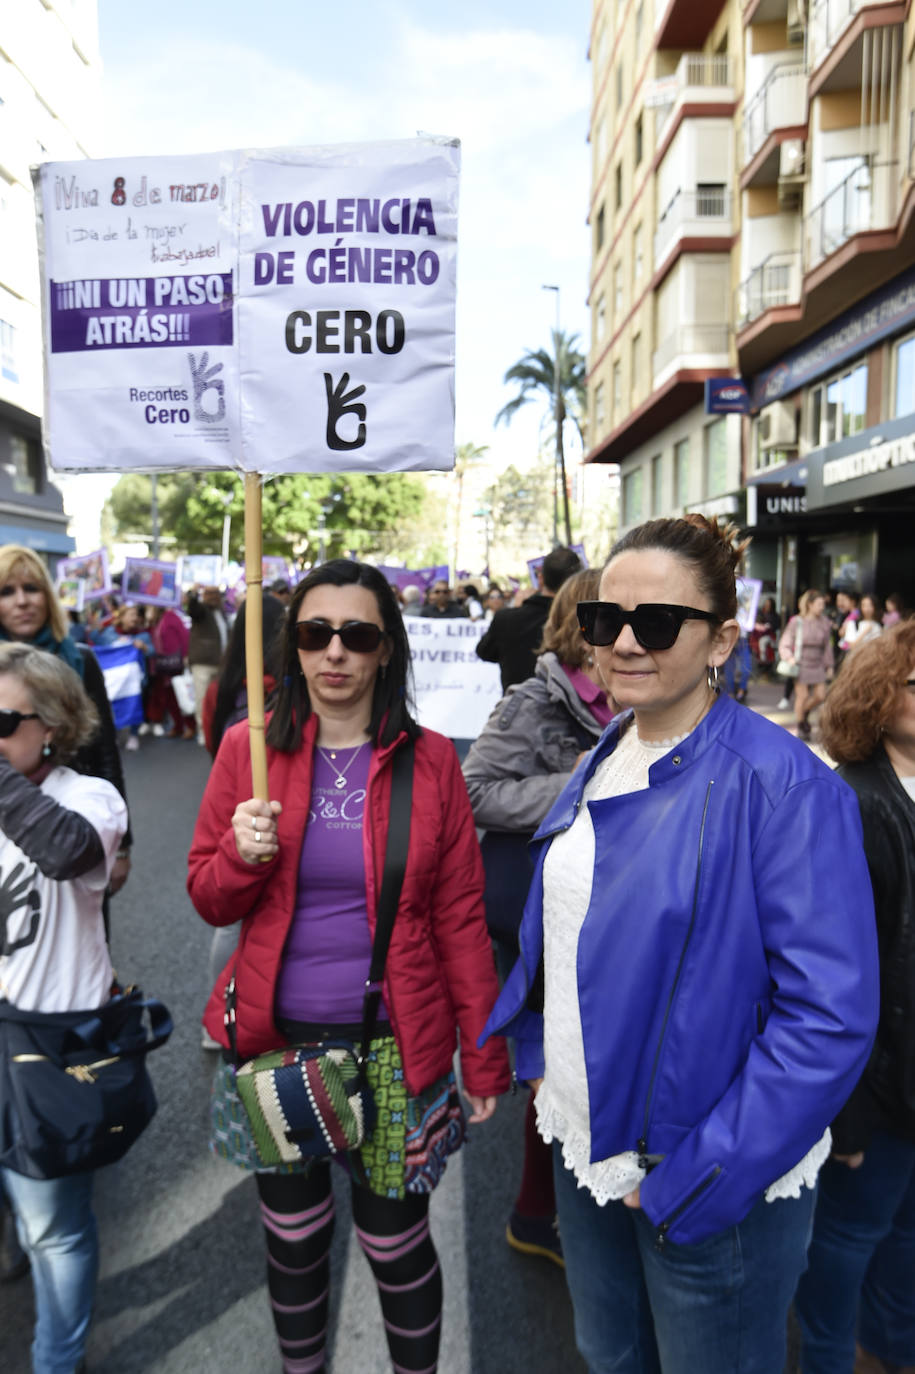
{"x": 233, "y": 671}
{"x": 391, "y": 702}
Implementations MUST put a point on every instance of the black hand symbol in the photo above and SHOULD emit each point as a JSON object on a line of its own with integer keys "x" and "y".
{"x": 340, "y": 403}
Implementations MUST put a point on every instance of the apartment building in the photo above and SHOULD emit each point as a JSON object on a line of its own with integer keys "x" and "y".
{"x": 49, "y": 107}
{"x": 752, "y": 220}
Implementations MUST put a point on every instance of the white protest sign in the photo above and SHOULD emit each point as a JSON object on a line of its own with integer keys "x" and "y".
{"x": 455, "y": 690}
{"x": 269, "y": 311}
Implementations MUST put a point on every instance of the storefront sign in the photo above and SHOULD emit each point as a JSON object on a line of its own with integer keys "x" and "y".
{"x": 726, "y": 396}
{"x": 881, "y": 314}
{"x": 873, "y": 463}
{"x": 772, "y": 507}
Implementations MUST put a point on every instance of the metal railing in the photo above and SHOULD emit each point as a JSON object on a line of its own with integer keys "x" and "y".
{"x": 776, "y": 281}
{"x": 828, "y": 21}
{"x": 780, "y": 102}
{"x": 866, "y": 199}
{"x": 696, "y": 69}
{"x": 689, "y": 341}
{"x": 705, "y": 211}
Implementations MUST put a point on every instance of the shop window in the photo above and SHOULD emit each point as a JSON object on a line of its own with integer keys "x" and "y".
{"x": 600, "y": 409}
{"x": 599, "y": 230}
{"x": 24, "y": 466}
{"x": 838, "y": 408}
{"x": 681, "y": 472}
{"x": 8, "y": 365}
{"x": 656, "y": 475}
{"x": 716, "y": 458}
{"x": 905, "y": 376}
{"x": 632, "y": 497}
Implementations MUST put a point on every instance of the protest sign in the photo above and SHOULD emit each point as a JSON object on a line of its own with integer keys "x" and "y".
{"x": 455, "y": 690}
{"x": 535, "y": 564}
{"x": 200, "y": 570}
{"x": 91, "y": 569}
{"x": 150, "y": 581}
{"x": 749, "y": 590}
{"x": 270, "y": 311}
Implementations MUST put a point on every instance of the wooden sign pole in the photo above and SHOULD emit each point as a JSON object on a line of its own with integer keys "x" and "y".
{"x": 254, "y": 638}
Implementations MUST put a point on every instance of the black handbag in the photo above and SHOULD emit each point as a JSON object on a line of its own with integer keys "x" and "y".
{"x": 74, "y": 1089}
{"x": 315, "y": 1099}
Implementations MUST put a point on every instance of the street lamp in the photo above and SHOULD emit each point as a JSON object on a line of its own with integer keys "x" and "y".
{"x": 557, "y": 415}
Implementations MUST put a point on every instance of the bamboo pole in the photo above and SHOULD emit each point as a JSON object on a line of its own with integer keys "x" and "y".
{"x": 254, "y": 638}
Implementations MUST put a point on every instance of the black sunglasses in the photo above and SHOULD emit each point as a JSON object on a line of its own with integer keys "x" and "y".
{"x": 655, "y": 625}
{"x": 10, "y": 721}
{"x": 359, "y": 636}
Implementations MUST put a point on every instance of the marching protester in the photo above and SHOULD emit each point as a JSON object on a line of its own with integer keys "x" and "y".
{"x": 514, "y": 772}
{"x": 130, "y": 630}
{"x": 514, "y": 632}
{"x": 441, "y": 605}
{"x": 59, "y": 837}
{"x": 306, "y": 875}
{"x": 207, "y": 643}
{"x": 170, "y": 639}
{"x": 806, "y": 646}
{"x": 696, "y": 993}
{"x": 860, "y": 1281}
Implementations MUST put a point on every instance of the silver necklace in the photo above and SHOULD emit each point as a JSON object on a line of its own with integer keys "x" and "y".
{"x": 340, "y": 780}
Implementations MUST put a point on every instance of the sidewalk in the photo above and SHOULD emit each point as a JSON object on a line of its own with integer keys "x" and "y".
{"x": 763, "y": 697}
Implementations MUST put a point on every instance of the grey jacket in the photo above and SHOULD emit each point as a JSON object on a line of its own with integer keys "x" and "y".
{"x": 528, "y": 749}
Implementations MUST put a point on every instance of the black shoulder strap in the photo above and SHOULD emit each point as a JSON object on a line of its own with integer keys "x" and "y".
{"x": 395, "y": 865}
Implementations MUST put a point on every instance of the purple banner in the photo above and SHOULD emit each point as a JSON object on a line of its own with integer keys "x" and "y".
{"x": 141, "y": 312}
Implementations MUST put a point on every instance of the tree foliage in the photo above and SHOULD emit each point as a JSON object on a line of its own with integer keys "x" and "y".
{"x": 344, "y": 513}
{"x": 535, "y": 376}
{"x": 521, "y": 512}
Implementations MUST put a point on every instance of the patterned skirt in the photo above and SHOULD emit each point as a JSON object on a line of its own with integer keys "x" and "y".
{"x": 407, "y": 1150}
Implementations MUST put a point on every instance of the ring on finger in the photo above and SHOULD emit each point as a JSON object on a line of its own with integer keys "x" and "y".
{"x": 254, "y": 823}
{"x": 258, "y": 836}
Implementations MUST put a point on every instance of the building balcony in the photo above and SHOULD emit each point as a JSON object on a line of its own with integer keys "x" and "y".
{"x": 779, "y": 104}
{"x": 699, "y": 79}
{"x": 705, "y": 213}
{"x": 828, "y": 21}
{"x": 834, "y": 39}
{"x": 684, "y": 23}
{"x": 775, "y": 282}
{"x": 866, "y": 200}
{"x": 691, "y": 346}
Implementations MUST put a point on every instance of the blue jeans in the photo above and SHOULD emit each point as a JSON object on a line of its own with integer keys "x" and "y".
{"x": 861, "y": 1280}
{"x": 57, "y": 1229}
{"x": 721, "y": 1305}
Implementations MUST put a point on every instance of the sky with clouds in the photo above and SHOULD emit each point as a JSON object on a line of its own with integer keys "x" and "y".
{"x": 511, "y": 80}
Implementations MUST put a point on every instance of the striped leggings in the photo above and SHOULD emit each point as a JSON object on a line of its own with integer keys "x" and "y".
{"x": 298, "y": 1216}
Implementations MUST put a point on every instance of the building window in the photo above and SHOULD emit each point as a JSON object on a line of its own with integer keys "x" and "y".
{"x": 618, "y": 290}
{"x": 600, "y": 409}
{"x": 24, "y": 466}
{"x": 639, "y": 141}
{"x": 617, "y": 388}
{"x": 656, "y": 473}
{"x": 905, "y": 376}
{"x": 838, "y": 408}
{"x": 8, "y": 367}
{"x": 716, "y": 458}
{"x": 681, "y": 472}
{"x": 618, "y": 186}
{"x": 711, "y": 200}
{"x": 635, "y": 376}
{"x": 638, "y": 252}
{"x": 600, "y": 318}
{"x": 599, "y": 230}
{"x": 632, "y": 497}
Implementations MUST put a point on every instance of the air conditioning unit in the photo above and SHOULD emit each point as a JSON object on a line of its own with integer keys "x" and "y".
{"x": 778, "y": 426}
{"x": 795, "y": 23}
{"x": 792, "y": 158}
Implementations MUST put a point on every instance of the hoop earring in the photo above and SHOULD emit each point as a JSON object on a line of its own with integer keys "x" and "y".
{"x": 713, "y": 677}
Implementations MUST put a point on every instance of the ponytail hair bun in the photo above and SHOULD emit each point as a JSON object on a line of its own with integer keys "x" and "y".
{"x": 712, "y": 549}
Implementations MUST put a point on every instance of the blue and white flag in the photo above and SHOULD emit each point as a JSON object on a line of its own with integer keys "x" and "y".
{"x": 122, "y": 665}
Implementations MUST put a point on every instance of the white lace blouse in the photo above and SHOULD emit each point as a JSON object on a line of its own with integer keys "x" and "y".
{"x": 562, "y": 1102}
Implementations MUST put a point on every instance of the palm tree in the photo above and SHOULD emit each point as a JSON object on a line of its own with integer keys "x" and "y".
{"x": 535, "y": 374}
{"x": 465, "y": 456}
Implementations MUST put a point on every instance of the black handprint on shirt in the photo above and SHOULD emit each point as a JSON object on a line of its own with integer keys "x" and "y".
{"x": 15, "y": 893}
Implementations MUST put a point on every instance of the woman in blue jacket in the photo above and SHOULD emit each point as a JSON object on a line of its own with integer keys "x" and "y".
{"x": 697, "y": 988}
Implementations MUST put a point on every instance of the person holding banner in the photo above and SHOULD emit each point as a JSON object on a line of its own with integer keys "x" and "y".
{"x": 301, "y": 872}
{"x": 31, "y": 614}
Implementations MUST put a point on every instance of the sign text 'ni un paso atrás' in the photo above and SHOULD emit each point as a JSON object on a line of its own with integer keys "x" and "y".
{"x": 271, "y": 311}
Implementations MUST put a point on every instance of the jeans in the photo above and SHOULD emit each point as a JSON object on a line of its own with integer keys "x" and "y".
{"x": 57, "y": 1228}
{"x": 719, "y": 1306}
{"x": 861, "y": 1280}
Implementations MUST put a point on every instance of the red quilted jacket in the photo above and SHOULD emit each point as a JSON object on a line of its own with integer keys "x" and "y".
{"x": 439, "y": 976}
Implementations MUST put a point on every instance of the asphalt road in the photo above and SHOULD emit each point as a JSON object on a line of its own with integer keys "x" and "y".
{"x": 181, "y": 1288}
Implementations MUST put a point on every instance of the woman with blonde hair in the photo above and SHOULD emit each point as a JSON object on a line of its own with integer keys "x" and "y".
{"x": 806, "y": 644}
{"x": 861, "y": 1276}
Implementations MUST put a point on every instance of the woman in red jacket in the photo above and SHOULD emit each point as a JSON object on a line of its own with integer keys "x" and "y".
{"x": 308, "y": 918}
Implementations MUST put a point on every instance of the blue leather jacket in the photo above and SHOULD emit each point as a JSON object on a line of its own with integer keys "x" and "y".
{"x": 727, "y": 965}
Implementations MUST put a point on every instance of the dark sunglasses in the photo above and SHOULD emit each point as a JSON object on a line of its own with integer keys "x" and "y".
{"x": 359, "y": 636}
{"x": 654, "y": 625}
{"x": 10, "y": 721}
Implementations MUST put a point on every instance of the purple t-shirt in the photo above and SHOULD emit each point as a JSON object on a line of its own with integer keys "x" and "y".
{"x": 329, "y": 947}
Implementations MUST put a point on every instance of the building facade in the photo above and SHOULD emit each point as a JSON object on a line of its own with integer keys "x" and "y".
{"x": 49, "y": 102}
{"x": 777, "y": 145}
